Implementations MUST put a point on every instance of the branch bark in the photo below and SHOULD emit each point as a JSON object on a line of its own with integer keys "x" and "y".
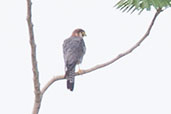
{"x": 37, "y": 91}
{"x": 60, "y": 77}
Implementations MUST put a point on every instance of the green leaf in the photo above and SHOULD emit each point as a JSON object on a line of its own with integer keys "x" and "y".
{"x": 140, "y": 5}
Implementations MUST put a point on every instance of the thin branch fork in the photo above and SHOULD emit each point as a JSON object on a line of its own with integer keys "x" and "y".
{"x": 60, "y": 77}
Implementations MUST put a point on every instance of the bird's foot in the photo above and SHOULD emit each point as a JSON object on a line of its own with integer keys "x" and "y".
{"x": 80, "y": 71}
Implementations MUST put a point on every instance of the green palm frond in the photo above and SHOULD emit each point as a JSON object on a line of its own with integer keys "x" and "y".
{"x": 140, "y": 5}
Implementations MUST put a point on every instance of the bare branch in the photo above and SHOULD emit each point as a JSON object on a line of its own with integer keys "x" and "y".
{"x": 34, "y": 61}
{"x": 56, "y": 78}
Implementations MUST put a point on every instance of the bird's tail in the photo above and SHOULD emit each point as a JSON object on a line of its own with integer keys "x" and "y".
{"x": 70, "y": 79}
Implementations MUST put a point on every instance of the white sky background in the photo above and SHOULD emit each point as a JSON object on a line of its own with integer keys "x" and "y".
{"x": 139, "y": 83}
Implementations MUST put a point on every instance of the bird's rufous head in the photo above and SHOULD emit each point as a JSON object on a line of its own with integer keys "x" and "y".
{"x": 79, "y": 33}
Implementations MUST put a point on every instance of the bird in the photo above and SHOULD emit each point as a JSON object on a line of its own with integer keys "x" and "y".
{"x": 73, "y": 51}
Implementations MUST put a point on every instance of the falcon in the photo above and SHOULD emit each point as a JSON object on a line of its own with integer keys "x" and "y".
{"x": 73, "y": 51}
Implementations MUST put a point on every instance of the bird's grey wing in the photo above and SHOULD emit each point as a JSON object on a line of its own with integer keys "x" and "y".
{"x": 73, "y": 50}
{"x": 70, "y": 48}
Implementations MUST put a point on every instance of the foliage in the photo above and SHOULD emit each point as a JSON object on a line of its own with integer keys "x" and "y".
{"x": 140, "y": 5}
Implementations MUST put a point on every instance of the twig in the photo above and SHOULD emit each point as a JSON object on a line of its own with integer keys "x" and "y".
{"x": 37, "y": 91}
{"x": 56, "y": 78}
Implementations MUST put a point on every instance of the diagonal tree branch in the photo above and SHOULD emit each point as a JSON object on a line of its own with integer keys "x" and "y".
{"x": 37, "y": 91}
{"x": 56, "y": 78}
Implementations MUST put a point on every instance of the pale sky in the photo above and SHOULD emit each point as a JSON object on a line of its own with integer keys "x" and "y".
{"x": 139, "y": 83}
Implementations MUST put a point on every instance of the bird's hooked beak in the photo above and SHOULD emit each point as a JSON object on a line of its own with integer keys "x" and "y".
{"x": 84, "y": 34}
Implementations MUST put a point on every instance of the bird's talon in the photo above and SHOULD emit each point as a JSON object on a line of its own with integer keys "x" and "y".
{"x": 80, "y": 71}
